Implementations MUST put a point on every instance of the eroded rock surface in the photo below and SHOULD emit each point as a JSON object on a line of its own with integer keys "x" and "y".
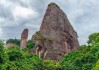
{"x": 59, "y": 37}
{"x": 24, "y": 37}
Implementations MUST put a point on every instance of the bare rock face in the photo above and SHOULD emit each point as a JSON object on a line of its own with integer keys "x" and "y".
{"x": 24, "y": 37}
{"x": 59, "y": 37}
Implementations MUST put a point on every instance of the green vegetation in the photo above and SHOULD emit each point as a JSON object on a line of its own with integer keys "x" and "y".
{"x": 14, "y": 41}
{"x": 51, "y": 65}
{"x": 82, "y": 59}
{"x": 96, "y": 66}
{"x": 38, "y": 35}
{"x": 30, "y": 44}
{"x": 93, "y": 38}
{"x": 15, "y": 59}
{"x": 85, "y": 58}
{"x": 51, "y": 4}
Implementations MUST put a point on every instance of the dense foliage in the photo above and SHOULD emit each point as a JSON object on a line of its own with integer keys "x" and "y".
{"x": 51, "y": 65}
{"x": 93, "y": 38}
{"x": 15, "y": 59}
{"x": 96, "y": 66}
{"x": 85, "y": 58}
{"x": 30, "y": 44}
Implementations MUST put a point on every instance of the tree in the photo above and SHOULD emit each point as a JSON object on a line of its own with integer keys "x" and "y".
{"x": 1, "y": 51}
{"x": 30, "y": 44}
{"x": 93, "y": 38}
{"x": 15, "y": 41}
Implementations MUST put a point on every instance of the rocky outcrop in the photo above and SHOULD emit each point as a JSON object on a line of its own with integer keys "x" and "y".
{"x": 8, "y": 45}
{"x": 58, "y": 35}
{"x": 24, "y": 37}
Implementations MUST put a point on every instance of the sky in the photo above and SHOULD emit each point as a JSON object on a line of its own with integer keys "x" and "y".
{"x": 16, "y": 15}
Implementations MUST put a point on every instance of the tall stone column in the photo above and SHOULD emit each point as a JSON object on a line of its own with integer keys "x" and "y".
{"x": 24, "y": 37}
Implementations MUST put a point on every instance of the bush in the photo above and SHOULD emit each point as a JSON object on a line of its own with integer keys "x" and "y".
{"x": 51, "y": 65}
{"x": 96, "y": 67}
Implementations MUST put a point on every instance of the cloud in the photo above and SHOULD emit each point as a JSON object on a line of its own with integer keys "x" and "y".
{"x": 15, "y": 15}
{"x": 24, "y": 12}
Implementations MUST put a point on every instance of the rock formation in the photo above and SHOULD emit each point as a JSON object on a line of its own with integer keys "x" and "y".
{"x": 57, "y": 34}
{"x": 8, "y": 45}
{"x": 24, "y": 37}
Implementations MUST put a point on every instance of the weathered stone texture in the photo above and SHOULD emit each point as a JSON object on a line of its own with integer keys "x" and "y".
{"x": 10, "y": 45}
{"x": 24, "y": 37}
{"x": 57, "y": 29}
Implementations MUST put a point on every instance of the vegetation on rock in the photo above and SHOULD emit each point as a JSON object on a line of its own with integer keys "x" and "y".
{"x": 51, "y": 4}
{"x": 37, "y": 35}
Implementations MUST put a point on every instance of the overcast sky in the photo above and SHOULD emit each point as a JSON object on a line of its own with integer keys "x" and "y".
{"x": 15, "y": 15}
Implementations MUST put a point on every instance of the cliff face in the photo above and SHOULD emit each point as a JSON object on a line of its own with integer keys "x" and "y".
{"x": 60, "y": 36}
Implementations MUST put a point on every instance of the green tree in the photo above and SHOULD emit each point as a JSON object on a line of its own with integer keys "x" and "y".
{"x": 93, "y": 38}
{"x": 30, "y": 44}
{"x": 15, "y": 41}
{"x": 1, "y": 51}
{"x": 1, "y": 47}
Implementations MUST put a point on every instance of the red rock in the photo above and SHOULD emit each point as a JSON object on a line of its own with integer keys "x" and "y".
{"x": 61, "y": 38}
{"x": 24, "y": 37}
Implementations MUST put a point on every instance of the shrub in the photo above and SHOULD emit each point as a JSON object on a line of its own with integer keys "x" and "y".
{"x": 51, "y": 65}
{"x": 30, "y": 44}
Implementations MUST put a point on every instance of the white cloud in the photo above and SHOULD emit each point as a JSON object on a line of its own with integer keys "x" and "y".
{"x": 24, "y": 12}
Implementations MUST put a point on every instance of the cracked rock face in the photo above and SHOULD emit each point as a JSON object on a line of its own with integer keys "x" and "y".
{"x": 24, "y": 37}
{"x": 60, "y": 33}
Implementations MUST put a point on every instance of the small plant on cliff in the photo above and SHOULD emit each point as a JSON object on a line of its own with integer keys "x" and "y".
{"x": 38, "y": 35}
{"x": 51, "y": 4}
